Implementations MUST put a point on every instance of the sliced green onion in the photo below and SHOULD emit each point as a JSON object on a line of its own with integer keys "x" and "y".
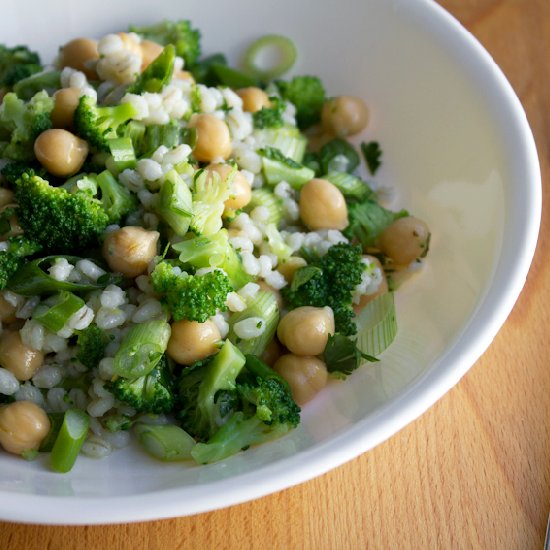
{"x": 175, "y": 203}
{"x": 70, "y": 439}
{"x": 141, "y": 349}
{"x": 32, "y": 279}
{"x": 377, "y": 325}
{"x": 264, "y": 306}
{"x": 165, "y": 441}
{"x": 123, "y": 153}
{"x": 232, "y": 77}
{"x": 57, "y": 310}
{"x": 289, "y": 141}
{"x": 349, "y": 185}
{"x": 273, "y": 203}
{"x": 281, "y": 54}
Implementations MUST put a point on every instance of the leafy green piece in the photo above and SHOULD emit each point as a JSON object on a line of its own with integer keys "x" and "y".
{"x": 307, "y": 93}
{"x": 338, "y": 155}
{"x": 372, "y": 154}
{"x": 157, "y": 74}
{"x": 342, "y": 354}
{"x": 270, "y": 117}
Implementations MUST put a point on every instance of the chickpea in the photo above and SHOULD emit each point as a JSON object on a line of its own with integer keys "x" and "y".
{"x": 60, "y": 152}
{"x": 272, "y": 352}
{"x": 382, "y": 287}
{"x": 405, "y": 240}
{"x": 305, "y": 330}
{"x": 306, "y": 376}
{"x": 65, "y": 104}
{"x": 344, "y": 116}
{"x": 241, "y": 192}
{"x": 290, "y": 266}
{"x": 23, "y": 427}
{"x": 253, "y": 98}
{"x": 18, "y": 358}
{"x": 6, "y": 197}
{"x": 322, "y": 205}
{"x": 129, "y": 250}
{"x": 213, "y": 140}
{"x": 7, "y": 311}
{"x": 80, "y": 54}
{"x": 191, "y": 341}
{"x": 149, "y": 52}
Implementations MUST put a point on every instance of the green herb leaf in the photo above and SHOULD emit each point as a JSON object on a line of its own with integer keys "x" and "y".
{"x": 372, "y": 153}
{"x": 342, "y": 355}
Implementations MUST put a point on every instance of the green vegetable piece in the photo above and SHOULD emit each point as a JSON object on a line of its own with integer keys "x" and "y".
{"x": 157, "y": 74}
{"x": 204, "y": 71}
{"x": 377, "y": 325}
{"x": 373, "y": 154}
{"x": 289, "y": 141}
{"x": 276, "y": 168}
{"x": 350, "y": 185}
{"x": 48, "y": 81}
{"x": 227, "y": 76}
{"x": 123, "y": 153}
{"x": 282, "y": 54}
{"x": 181, "y": 34}
{"x": 175, "y": 204}
{"x": 32, "y": 278}
{"x": 56, "y": 311}
{"x": 303, "y": 275}
{"x": 91, "y": 343}
{"x": 338, "y": 156}
{"x": 165, "y": 441}
{"x": 273, "y": 203}
{"x": 270, "y": 117}
{"x": 307, "y": 93}
{"x": 263, "y": 305}
{"x": 367, "y": 221}
{"x": 141, "y": 349}
{"x": 69, "y": 441}
{"x": 14, "y": 257}
{"x": 342, "y": 355}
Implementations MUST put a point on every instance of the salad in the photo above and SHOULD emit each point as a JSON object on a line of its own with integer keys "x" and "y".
{"x": 188, "y": 251}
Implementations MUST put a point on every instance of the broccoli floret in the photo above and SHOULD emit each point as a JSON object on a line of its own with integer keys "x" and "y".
{"x": 270, "y": 117}
{"x": 210, "y": 191}
{"x": 181, "y": 34}
{"x": 258, "y": 409}
{"x": 13, "y": 256}
{"x": 367, "y": 221}
{"x": 191, "y": 297}
{"x": 157, "y": 74}
{"x": 115, "y": 199}
{"x": 21, "y": 122}
{"x": 214, "y": 251}
{"x": 98, "y": 125}
{"x": 152, "y": 393}
{"x": 91, "y": 343}
{"x": 307, "y": 93}
{"x": 17, "y": 63}
{"x": 56, "y": 219}
{"x": 330, "y": 281}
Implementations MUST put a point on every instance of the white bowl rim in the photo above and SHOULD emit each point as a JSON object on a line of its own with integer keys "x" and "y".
{"x": 387, "y": 420}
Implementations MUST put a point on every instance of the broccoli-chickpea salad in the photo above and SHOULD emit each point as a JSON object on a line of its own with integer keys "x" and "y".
{"x": 190, "y": 252}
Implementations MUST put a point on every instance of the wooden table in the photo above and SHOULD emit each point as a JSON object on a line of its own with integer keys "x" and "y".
{"x": 474, "y": 471}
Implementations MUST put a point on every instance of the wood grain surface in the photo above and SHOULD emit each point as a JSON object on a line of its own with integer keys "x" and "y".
{"x": 474, "y": 471}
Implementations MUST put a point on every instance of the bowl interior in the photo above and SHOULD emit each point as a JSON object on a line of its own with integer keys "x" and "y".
{"x": 458, "y": 152}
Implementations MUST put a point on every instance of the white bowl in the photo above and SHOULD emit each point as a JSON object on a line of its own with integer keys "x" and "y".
{"x": 458, "y": 147}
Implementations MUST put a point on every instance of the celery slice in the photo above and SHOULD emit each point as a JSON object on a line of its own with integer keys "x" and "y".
{"x": 69, "y": 441}
{"x": 377, "y": 325}
{"x": 280, "y": 52}
{"x": 165, "y": 442}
